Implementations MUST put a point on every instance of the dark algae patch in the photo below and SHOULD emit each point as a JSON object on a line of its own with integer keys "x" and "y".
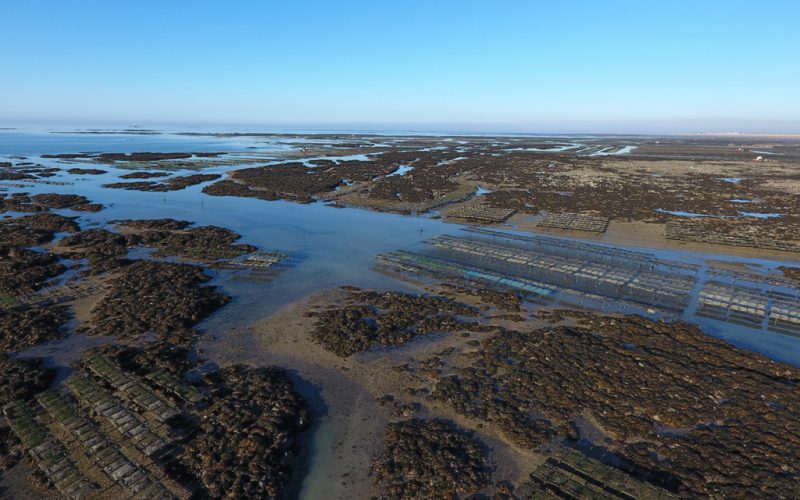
{"x": 245, "y": 438}
{"x": 104, "y": 249}
{"x": 86, "y": 171}
{"x": 22, "y": 202}
{"x": 71, "y": 201}
{"x": 144, "y": 175}
{"x": 171, "y": 184}
{"x": 107, "y": 250}
{"x": 791, "y": 273}
{"x": 26, "y": 327}
{"x": 174, "y": 238}
{"x": 24, "y": 270}
{"x": 157, "y": 224}
{"x": 20, "y": 379}
{"x": 369, "y": 319}
{"x": 159, "y": 297}
{"x": 430, "y": 459}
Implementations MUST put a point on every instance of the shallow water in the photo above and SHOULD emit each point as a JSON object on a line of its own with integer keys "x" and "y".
{"x": 328, "y": 247}
{"x": 23, "y": 142}
{"x": 679, "y": 213}
{"x": 760, "y": 215}
{"x": 401, "y": 171}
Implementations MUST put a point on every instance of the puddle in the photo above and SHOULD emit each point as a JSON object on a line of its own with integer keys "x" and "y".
{"x": 683, "y": 214}
{"x": 759, "y": 215}
{"x": 401, "y": 171}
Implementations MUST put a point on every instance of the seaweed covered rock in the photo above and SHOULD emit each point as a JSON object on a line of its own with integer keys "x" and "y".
{"x": 385, "y": 318}
{"x": 20, "y": 379}
{"x": 171, "y": 184}
{"x": 104, "y": 249}
{"x": 229, "y": 187}
{"x": 21, "y": 328}
{"x": 86, "y": 171}
{"x": 292, "y": 181}
{"x": 144, "y": 175}
{"x": 158, "y": 297}
{"x": 31, "y": 230}
{"x": 430, "y": 459}
{"x": 156, "y": 224}
{"x": 152, "y": 356}
{"x": 708, "y": 418}
{"x": 19, "y": 202}
{"x": 205, "y": 242}
{"x": 246, "y": 438}
{"x": 19, "y": 235}
{"x": 71, "y": 201}
{"x": 107, "y": 250}
{"x": 23, "y": 202}
{"x": 11, "y": 174}
{"x": 24, "y": 271}
{"x": 506, "y": 300}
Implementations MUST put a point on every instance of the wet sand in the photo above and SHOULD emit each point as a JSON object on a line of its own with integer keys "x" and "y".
{"x": 343, "y": 393}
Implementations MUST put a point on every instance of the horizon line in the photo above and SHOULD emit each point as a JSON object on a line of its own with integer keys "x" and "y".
{"x": 352, "y": 128}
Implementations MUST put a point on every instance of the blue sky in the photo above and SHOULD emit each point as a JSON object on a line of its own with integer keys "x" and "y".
{"x": 567, "y": 66}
